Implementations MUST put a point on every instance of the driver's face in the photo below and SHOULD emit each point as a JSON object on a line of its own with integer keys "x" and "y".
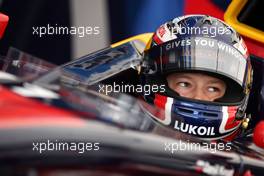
{"x": 197, "y": 86}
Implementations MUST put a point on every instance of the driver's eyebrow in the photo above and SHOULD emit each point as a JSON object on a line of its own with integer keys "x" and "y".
{"x": 182, "y": 76}
{"x": 216, "y": 82}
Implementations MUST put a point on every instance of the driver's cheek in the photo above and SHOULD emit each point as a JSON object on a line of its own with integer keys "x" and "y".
{"x": 185, "y": 92}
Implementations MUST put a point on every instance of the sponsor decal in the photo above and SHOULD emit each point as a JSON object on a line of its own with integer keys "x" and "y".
{"x": 194, "y": 130}
{"x": 161, "y": 31}
{"x": 204, "y": 42}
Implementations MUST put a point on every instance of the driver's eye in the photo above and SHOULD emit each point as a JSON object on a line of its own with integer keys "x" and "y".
{"x": 184, "y": 84}
{"x": 213, "y": 89}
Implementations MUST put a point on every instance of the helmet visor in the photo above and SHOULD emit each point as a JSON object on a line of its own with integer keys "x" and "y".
{"x": 199, "y": 53}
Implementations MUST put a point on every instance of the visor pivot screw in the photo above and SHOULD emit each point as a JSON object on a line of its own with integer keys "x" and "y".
{"x": 245, "y": 122}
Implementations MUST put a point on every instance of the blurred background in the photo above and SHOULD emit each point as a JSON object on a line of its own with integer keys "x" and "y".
{"x": 116, "y": 19}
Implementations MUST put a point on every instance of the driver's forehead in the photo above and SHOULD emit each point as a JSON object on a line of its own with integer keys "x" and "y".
{"x": 194, "y": 77}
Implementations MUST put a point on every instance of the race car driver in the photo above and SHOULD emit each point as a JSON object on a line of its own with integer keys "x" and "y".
{"x": 205, "y": 67}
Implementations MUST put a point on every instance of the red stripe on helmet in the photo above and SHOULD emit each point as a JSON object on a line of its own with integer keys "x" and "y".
{"x": 157, "y": 39}
{"x": 160, "y": 101}
{"x": 231, "y": 121}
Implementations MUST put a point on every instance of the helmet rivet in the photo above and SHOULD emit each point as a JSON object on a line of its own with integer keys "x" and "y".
{"x": 245, "y": 123}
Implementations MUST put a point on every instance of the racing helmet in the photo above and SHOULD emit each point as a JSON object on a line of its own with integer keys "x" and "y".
{"x": 198, "y": 44}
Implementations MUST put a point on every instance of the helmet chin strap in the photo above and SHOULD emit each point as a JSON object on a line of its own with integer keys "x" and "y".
{"x": 241, "y": 115}
{"x": 242, "y": 110}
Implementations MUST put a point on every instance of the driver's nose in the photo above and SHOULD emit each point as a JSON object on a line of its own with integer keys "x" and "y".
{"x": 199, "y": 95}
